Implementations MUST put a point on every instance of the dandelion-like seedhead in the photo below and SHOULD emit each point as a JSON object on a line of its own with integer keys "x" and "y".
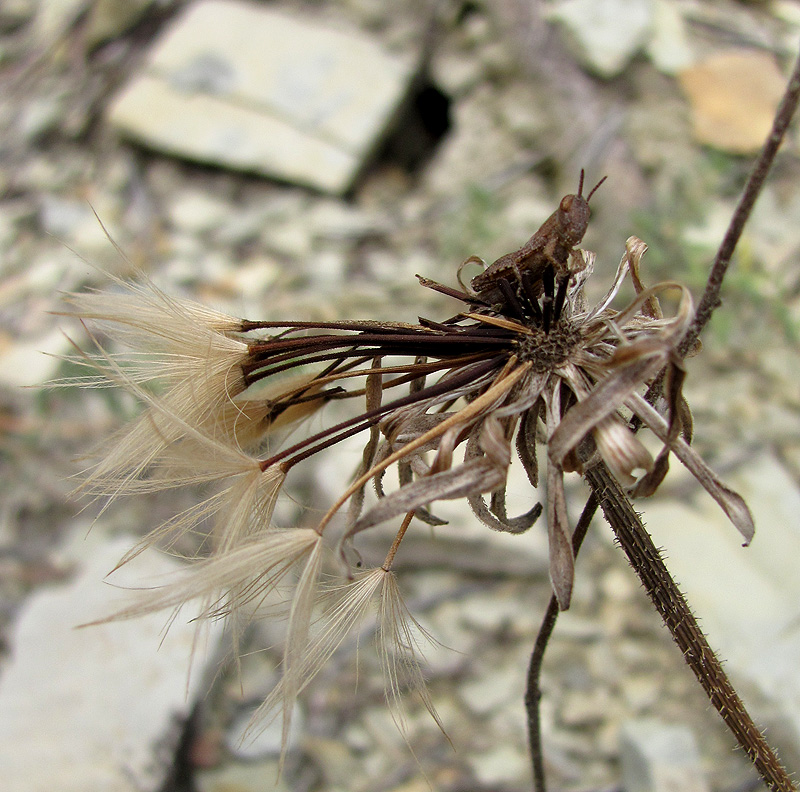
{"x": 446, "y": 405}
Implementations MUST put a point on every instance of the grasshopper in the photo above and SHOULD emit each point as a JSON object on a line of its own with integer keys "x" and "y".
{"x": 543, "y": 259}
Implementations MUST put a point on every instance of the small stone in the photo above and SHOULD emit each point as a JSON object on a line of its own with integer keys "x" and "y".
{"x": 75, "y": 222}
{"x": 500, "y": 609}
{"x": 111, "y": 18}
{"x": 332, "y": 219}
{"x": 786, "y": 10}
{"x": 710, "y": 228}
{"x": 524, "y": 214}
{"x": 600, "y": 662}
{"x": 254, "y": 679}
{"x": 39, "y": 117}
{"x": 197, "y": 212}
{"x": 773, "y": 225}
{"x": 449, "y": 655}
{"x": 382, "y": 727}
{"x": 258, "y": 90}
{"x": 657, "y": 757}
{"x": 503, "y": 765}
{"x": 733, "y": 97}
{"x": 584, "y": 708}
{"x": 288, "y": 237}
{"x": 357, "y": 737}
{"x": 335, "y": 759}
{"x": 249, "y": 741}
{"x": 572, "y": 627}
{"x": 328, "y": 269}
{"x": 59, "y": 216}
{"x": 456, "y": 73}
{"x": 618, "y": 585}
{"x": 493, "y": 688}
{"x": 54, "y": 17}
{"x": 669, "y": 48}
{"x": 641, "y": 692}
{"x": 605, "y": 36}
{"x": 15, "y": 13}
{"x": 34, "y": 362}
{"x": 12, "y": 216}
{"x": 251, "y": 281}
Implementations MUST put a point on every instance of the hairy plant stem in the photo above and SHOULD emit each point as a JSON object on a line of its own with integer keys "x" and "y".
{"x": 637, "y": 543}
{"x": 674, "y": 610}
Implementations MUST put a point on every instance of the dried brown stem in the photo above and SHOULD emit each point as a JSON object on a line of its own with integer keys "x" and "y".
{"x": 306, "y": 448}
{"x": 673, "y": 609}
{"x": 755, "y": 183}
{"x": 387, "y": 564}
{"x": 533, "y": 692}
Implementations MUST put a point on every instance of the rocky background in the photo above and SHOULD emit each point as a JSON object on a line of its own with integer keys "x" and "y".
{"x": 336, "y": 149}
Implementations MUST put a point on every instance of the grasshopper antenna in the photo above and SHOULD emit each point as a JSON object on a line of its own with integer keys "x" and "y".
{"x": 594, "y": 189}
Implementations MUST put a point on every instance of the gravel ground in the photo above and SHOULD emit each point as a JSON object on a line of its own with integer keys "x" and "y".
{"x": 527, "y": 111}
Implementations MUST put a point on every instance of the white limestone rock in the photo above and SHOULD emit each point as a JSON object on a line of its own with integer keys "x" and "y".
{"x": 32, "y": 363}
{"x": 95, "y": 709}
{"x": 660, "y": 757}
{"x": 605, "y": 36}
{"x": 669, "y": 47}
{"x": 254, "y": 89}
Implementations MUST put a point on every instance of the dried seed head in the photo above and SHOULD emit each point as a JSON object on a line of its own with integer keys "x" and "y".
{"x": 549, "y": 351}
{"x": 441, "y": 403}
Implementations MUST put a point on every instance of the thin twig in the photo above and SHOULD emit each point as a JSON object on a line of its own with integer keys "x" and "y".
{"x": 710, "y": 300}
{"x": 755, "y": 183}
{"x": 533, "y": 692}
{"x": 673, "y": 609}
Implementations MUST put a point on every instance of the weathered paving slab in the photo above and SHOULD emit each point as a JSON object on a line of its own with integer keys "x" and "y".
{"x": 96, "y": 709}
{"x": 254, "y": 89}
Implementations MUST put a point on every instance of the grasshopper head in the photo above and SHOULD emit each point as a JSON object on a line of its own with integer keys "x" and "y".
{"x": 573, "y": 214}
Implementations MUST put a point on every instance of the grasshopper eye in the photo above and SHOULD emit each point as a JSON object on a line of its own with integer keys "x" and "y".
{"x": 566, "y": 203}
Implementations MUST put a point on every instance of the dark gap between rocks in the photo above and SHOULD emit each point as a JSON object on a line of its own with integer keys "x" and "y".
{"x": 421, "y": 124}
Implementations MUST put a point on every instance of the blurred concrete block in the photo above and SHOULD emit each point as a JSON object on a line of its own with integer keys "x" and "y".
{"x": 250, "y": 88}
{"x": 657, "y": 757}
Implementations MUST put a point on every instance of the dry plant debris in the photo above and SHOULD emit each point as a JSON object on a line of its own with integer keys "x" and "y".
{"x": 527, "y": 361}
